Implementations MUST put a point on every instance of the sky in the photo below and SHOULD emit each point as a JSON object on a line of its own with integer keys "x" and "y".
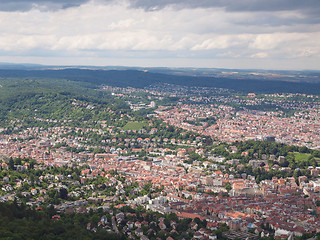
{"x": 249, "y": 34}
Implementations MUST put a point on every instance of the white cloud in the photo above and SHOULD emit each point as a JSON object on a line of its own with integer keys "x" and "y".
{"x": 259, "y": 55}
{"x": 272, "y": 41}
{"x": 115, "y": 29}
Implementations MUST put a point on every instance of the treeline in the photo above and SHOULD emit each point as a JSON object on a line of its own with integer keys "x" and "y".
{"x": 17, "y": 221}
{"x": 140, "y": 79}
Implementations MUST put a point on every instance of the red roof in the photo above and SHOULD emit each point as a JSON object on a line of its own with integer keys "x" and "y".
{"x": 189, "y": 215}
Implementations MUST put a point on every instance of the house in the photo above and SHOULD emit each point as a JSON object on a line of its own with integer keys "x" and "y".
{"x": 143, "y": 237}
{"x": 212, "y": 236}
{"x": 88, "y": 226}
{"x": 120, "y": 217}
{"x": 55, "y": 217}
{"x": 144, "y": 223}
{"x": 193, "y": 225}
{"x": 162, "y": 226}
{"x": 104, "y": 220}
{"x": 130, "y": 224}
{"x": 34, "y": 191}
{"x": 6, "y": 179}
{"x": 197, "y": 235}
{"x": 138, "y": 232}
{"x": 137, "y": 224}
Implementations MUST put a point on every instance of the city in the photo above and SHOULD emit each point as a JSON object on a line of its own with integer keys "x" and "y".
{"x": 159, "y": 120}
{"x": 215, "y": 164}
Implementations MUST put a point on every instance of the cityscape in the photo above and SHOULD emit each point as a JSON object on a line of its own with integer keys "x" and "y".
{"x": 214, "y": 162}
{"x": 159, "y": 120}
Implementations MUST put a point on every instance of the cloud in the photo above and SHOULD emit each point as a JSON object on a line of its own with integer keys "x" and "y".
{"x": 44, "y": 5}
{"x": 173, "y": 30}
{"x": 259, "y": 55}
{"x": 311, "y": 6}
{"x": 231, "y": 5}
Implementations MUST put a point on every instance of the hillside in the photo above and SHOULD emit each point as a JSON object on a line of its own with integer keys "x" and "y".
{"x": 141, "y": 79}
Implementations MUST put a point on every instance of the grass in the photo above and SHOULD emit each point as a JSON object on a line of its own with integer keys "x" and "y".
{"x": 134, "y": 125}
{"x": 304, "y": 159}
{"x": 301, "y": 156}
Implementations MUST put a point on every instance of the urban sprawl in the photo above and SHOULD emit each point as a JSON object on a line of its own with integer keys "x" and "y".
{"x": 178, "y": 174}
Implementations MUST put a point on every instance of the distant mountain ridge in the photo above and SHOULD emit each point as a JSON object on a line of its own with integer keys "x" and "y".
{"x": 141, "y": 79}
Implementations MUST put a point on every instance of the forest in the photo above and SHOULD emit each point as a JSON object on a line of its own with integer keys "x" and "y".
{"x": 26, "y": 223}
{"x": 141, "y": 79}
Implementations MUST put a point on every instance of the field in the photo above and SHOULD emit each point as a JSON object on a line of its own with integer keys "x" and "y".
{"x": 134, "y": 125}
{"x": 303, "y": 157}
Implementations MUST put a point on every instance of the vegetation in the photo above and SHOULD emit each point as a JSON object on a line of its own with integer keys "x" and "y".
{"x": 298, "y": 159}
{"x": 93, "y": 121}
{"x": 26, "y": 223}
{"x": 49, "y": 102}
{"x": 134, "y": 126}
{"x": 140, "y": 79}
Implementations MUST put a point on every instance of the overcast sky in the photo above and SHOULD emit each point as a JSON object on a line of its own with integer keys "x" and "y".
{"x": 265, "y": 34}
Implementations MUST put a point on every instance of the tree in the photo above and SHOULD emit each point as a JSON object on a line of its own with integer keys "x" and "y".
{"x": 170, "y": 129}
{"x": 172, "y": 217}
{"x": 63, "y": 193}
{"x": 11, "y": 164}
{"x": 228, "y": 186}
